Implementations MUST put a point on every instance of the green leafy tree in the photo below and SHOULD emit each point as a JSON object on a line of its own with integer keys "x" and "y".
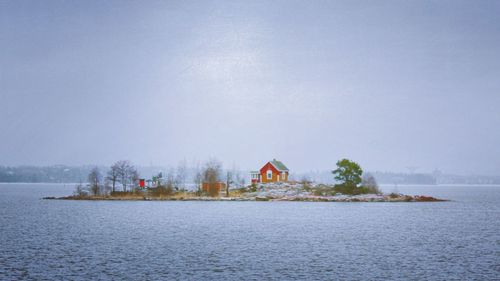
{"x": 348, "y": 173}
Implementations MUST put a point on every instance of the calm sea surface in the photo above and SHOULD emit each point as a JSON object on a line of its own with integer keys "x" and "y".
{"x": 82, "y": 240}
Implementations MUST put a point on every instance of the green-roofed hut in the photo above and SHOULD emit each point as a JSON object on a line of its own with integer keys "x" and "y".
{"x": 272, "y": 171}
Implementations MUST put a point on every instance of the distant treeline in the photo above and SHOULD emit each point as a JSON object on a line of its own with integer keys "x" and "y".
{"x": 433, "y": 178}
{"x": 58, "y": 173}
{"x": 75, "y": 174}
{"x": 48, "y": 174}
{"x": 406, "y": 178}
{"x": 402, "y": 178}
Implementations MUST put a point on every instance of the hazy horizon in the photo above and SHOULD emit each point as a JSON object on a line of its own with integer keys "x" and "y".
{"x": 150, "y": 170}
{"x": 389, "y": 84}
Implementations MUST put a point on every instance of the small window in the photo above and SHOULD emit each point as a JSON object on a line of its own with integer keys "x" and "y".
{"x": 269, "y": 174}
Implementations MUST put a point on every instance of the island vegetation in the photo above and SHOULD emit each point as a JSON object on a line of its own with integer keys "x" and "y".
{"x": 212, "y": 183}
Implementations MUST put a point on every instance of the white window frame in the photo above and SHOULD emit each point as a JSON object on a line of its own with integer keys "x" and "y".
{"x": 269, "y": 175}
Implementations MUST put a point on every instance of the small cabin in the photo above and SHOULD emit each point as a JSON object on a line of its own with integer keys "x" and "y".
{"x": 217, "y": 186}
{"x": 272, "y": 171}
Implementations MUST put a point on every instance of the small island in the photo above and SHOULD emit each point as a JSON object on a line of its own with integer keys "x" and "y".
{"x": 270, "y": 183}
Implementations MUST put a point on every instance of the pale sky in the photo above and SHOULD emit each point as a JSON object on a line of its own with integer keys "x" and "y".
{"x": 389, "y": 84}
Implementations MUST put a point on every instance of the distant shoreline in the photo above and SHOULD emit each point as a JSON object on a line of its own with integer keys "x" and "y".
{"x": 55, "y": 183}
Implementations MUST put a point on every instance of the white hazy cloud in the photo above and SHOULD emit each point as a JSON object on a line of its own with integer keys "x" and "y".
{"x": 390, "y": 84}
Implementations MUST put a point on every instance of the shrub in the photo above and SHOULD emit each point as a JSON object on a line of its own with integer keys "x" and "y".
{"x": 81, "y": 191}
{"x": 368, "y": 190}
{"x": 163, "y": 190}
{"x": 408, "y": 198}
{"x": 242, "y": 190}
{"x": 323, "y": 190}
{"x": 133, "y": 194}
{"x": 306, "y": 183}
{"x": 355, "y": 190}
{"x": 318, "y": 192}
{"x": 199, "y": 192}
{"x": 393, "y": 195}
{"x": 369, "y": 184}
{"x": 347, "y": 189}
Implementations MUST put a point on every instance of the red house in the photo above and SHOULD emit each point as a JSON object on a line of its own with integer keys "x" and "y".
{"x": 272, "y": 171}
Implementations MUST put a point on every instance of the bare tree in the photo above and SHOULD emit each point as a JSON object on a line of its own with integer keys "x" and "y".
{"x": 212, "y": 171}
{"x": 368, "y": 181}
{"x": 229, "y": 181}
{"x": 80, "y": 191}
{"x": 211, "y": 175}
{"x": 180, "y": 177}
{"x": 240, "y": 179}
{"x": 171, "y": 179}
{"x": 126, "y": 173}
{"x": 305, "y": 181}
{"x": 166, "y": 184}
{"x": 95, "y": 179}
{"x": 113, "y": 175}
{"x": 234, "y": 177}
{"x": 198, "y": 177}
{"x": 106, "y": 186}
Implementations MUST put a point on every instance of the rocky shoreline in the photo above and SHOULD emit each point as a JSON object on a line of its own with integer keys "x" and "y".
{"x": 310, "y": 198}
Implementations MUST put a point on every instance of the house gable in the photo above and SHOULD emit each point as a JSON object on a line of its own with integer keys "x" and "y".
{"x": 268, "y": 166}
